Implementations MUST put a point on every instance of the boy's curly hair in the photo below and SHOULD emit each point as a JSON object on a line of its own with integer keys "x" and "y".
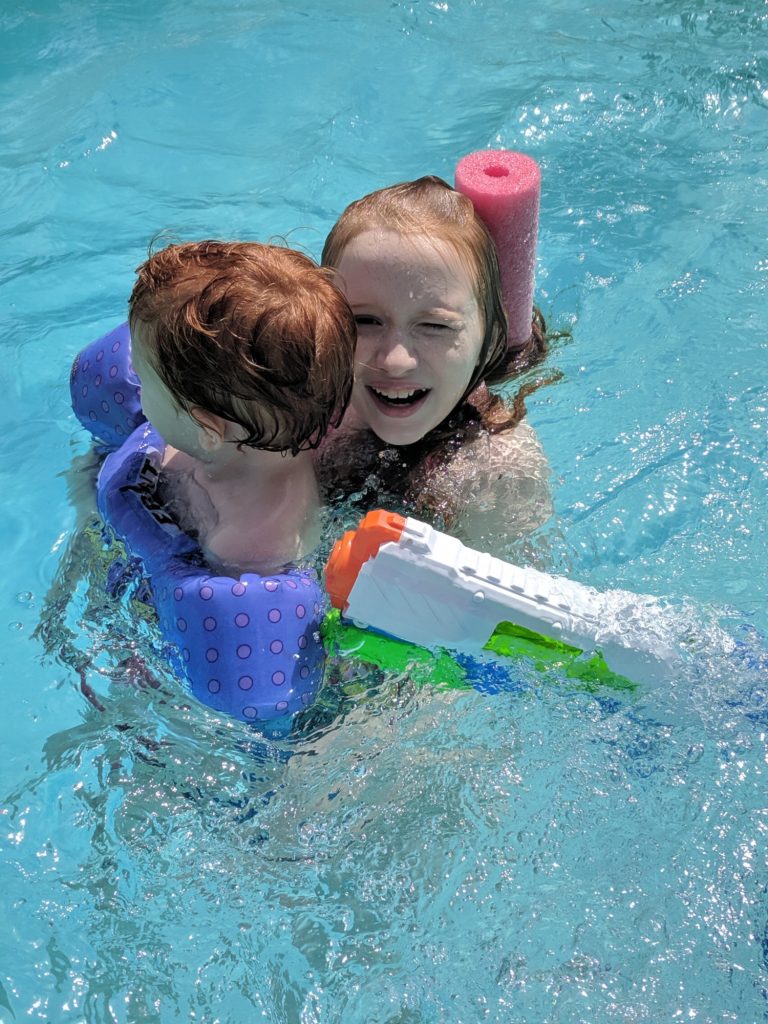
{"x": 257, "y": 334}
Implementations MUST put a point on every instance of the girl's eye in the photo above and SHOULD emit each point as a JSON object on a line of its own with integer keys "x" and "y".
{"x": 431, "y": 326}
{"x": 367, "y": 320}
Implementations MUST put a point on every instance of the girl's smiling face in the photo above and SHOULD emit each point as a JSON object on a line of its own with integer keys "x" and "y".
{"x": 420, "y": 331}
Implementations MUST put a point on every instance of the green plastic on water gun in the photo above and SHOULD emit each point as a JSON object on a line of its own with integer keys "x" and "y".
{"x": 438, "y": 668}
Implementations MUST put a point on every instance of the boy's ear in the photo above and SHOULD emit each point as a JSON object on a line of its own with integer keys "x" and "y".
{"x": 213, "y": 428}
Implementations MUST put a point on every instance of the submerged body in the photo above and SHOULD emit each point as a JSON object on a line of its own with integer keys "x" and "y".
{"x": 424, "y": 433}
{"x": 244, "y": 357}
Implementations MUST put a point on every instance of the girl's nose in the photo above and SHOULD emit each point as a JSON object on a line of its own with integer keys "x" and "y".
{"x": 395, "y": 355}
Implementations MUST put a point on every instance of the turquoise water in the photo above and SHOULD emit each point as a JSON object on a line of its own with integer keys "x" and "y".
{"x": 536, "y": 856}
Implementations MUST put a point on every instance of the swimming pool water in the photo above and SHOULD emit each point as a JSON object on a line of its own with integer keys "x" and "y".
{"x": 535, "y": 856}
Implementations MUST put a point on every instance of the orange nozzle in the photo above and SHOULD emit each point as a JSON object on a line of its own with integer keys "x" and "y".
{"x": 355, "y": 548}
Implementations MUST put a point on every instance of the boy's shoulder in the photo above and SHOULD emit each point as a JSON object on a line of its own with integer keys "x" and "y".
{"x": 186, "y": 500}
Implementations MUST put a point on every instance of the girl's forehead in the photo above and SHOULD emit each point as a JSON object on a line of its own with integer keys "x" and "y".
{"x": 393, "y": 254}
{"x": 389, "y": 243}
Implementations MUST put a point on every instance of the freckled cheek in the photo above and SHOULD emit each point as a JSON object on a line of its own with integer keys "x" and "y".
{"x": 364, "y": 354}
{"x": 457, "y": 359}
{"x": 358, "y": 386}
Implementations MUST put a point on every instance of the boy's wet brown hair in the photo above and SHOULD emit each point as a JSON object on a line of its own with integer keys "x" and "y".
{"x": 257, "y": 334}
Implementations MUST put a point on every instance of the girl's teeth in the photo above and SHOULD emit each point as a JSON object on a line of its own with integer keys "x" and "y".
{"x": 395, "y": 394}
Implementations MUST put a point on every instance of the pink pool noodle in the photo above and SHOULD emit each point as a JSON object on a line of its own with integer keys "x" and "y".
{"x": 505, "y": 188}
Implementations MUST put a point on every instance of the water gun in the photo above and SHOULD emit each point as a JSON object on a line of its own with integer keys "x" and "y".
{"x": 401, "y": 578}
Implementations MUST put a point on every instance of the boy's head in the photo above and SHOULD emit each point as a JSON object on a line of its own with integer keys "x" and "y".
{"x": 256, "y": 335}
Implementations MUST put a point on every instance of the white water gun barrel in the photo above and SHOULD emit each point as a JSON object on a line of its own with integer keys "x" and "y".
{"x": 402, "y": 577}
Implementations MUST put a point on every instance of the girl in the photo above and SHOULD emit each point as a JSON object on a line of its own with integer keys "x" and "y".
{"x": 423, "y": 431}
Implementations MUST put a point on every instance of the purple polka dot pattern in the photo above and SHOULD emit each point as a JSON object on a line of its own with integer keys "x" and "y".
{"x": 256, "y": 631}
{"x": 108, "y": 405}
{"x": 265, "y": 667}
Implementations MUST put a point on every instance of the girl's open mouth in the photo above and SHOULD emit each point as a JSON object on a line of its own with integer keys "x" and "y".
{"x": 398, "y": 398}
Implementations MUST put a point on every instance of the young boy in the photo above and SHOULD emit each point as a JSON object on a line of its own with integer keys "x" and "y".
{"x": 245, "y": 354}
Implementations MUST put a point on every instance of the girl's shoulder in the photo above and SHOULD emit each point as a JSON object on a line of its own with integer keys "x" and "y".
{"x": 494, "y": 488}
{"x": 520, "y": 440}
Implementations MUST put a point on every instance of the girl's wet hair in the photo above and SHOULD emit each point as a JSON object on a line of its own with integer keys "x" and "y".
{"x": 257, "y": 334}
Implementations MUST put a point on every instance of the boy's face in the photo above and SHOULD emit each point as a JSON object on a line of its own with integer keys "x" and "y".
{"x": 174, "y": 424}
